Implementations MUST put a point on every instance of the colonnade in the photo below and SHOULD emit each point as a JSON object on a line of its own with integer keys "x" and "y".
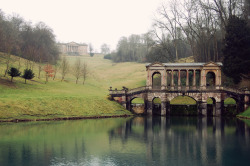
{"x": 71, "y": 48}
{"x": 196, "y": 68}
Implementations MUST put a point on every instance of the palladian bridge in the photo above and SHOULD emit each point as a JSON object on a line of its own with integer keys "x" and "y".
{"x": 167, "y": 81}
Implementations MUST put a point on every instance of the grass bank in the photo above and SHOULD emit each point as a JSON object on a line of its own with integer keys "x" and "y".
{"x": 55, "y": 99}
{"x": 245, "y": 115}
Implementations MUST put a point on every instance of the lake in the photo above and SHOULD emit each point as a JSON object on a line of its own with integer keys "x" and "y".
{"x": 188, "y": 141}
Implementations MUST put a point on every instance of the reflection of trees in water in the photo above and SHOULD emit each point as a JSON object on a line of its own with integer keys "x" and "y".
{"x": 184, "y": 140}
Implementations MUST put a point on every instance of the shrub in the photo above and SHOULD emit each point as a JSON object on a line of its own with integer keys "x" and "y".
{"x": 28, "y": 74}
{"x": 14, "y": 72}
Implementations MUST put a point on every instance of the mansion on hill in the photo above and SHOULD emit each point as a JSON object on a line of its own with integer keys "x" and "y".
{"x": 73, "y": 48}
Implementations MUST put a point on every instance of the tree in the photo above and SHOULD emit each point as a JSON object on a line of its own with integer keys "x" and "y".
{"x": 105, "y": 49}
{"x": 28, "y": 74}
{"x": 13, "y": 72}
{"x": 77, "y": 69}
{"x": 64, "y": 67}
{"x": 236, "y": 51}
{"x": 91, "y": 49}
{"x": 48, "y": 69}
{"x": 85, "y": 72}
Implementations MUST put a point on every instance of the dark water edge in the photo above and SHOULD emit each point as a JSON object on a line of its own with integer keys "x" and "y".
{"x": 127, "y": 141}
{"x": 65, "y": 118}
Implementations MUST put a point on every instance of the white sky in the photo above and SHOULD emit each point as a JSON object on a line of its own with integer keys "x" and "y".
{"x": 87, "y": 21}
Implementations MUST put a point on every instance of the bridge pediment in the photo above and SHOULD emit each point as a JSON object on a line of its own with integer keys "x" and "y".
{"x": 155, "y": 64}
{"x": 212, "y": 64}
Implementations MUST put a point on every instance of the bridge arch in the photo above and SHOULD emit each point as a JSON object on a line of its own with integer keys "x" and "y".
{"x": 230, "y": 106}
{"x": 137, "y": 105}
{"x": 156, "y": 105}
{"x": 211, "y": 106}
{"x": 183, "y": 105}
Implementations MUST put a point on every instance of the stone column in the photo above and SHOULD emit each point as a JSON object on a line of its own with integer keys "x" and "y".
{"x": 202, "y": 108}
{"x": 203, "y": 79}
{"x": 163, "y": 107}
{"x": 218, "y": 108}
{"x": 167, "y": 107}
{"x": 125, "y": 104}
{"x": 163, "y": 80}
{"x": 149, "y": 108}
{"x": 179, "y": 79}
{"x": 187, "y": 80}
{"x": 172, "y": 80}
{"x": 149, "y": 79}
{"x": 166, "y": 79}
{"x": 194, "y": 80}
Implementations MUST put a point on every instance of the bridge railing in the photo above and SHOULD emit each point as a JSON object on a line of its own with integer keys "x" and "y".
{"x": 115, "y": 92}
{"x": 239, "y": 91}
{"x": 143, "y": 88}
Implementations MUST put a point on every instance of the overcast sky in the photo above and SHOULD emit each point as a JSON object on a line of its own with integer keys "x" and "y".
{"x": 87, "y": 21}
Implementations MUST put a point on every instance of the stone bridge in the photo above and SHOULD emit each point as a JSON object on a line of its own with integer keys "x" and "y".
{"x": 167, "y": 81}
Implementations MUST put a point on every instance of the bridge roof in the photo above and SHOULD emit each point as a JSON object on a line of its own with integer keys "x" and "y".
{"x": 185, "y": 64}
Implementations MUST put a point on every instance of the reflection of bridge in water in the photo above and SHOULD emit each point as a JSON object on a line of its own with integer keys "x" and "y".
{"x": 200, "y": 81}
{"x": 186, "y": 140}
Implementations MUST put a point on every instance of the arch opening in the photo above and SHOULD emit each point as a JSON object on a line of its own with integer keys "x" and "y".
{"x": 156, "y": 78}
{"x": 211, "y": 106}
{"x": 183, "y": 105}
{"x": 210, "y": 80}
{"x": 137, "y": 105}
{"x": 156, "y": 106}
{"x": 230, "y": 107}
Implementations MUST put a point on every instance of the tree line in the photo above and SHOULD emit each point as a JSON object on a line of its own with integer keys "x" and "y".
{"x": 79, "y": 70}
{"x": 183, "y": 28}
{"x": 35, "y": 43}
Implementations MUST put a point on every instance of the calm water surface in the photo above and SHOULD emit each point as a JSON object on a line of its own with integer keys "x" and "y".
{"x": 126, "y": 141}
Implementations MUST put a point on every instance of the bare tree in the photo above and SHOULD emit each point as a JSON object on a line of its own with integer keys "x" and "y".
{"x": 64, "y": 67}
{"x": 105, "y": 49}
{"x": 84, "y": 72}
{"x": 77, "y": 69}
{"x": 55, "y": 70}
{"x": 167, "y": 23}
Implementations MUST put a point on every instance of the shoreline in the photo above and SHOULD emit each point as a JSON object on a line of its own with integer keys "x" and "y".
{"x": 66, "y": 118}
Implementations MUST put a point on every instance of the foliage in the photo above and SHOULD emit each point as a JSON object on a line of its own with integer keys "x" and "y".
{"x": 77, "y": 69}
{"x": 36, "y": 43}
{"x": 84, "y": 72}
{"x": 108, "y": 56}
{"x": 14, "y": 72}
{"x": 28, "y": 74}
{"x": 105, "y": 49}
{"x": 49, "y": 71}
{"x": 236, "y": 62}
{"x": 91, "y": 49}
{"x": 64, "y": 67}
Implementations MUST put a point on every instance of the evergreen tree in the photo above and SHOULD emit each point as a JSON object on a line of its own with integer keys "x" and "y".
{"x": 14, "y": 72}
{"x": 236, "y": 51}
{"x": 28, "y": 74}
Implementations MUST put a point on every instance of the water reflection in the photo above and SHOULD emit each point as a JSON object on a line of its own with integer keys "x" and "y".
{"x": 126, "y": 141}
{"x": 188, "y": 140}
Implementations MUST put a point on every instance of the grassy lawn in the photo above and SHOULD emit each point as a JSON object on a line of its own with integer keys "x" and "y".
{"x": 56, "y": 99}
{"x": 40, "y": 100}
{"x": 245, "y": 114}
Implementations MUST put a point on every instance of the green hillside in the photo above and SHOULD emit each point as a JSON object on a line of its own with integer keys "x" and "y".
{"x": 56, "y": 99}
